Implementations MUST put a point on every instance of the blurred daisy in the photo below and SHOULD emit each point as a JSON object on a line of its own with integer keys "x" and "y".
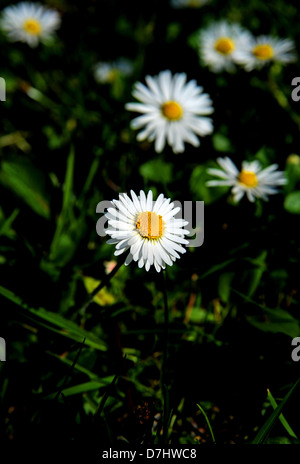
{"x": 108, "y": 72}
{"x": 172, "y": 110}
{"x": 147, "y": 229}
{"x": 264, "y": 49}
{"x": 252, "y": 180}
{"x": 188, "y": 3}
{"x": 219, "y": 44}
{"x": 29, "y": 22}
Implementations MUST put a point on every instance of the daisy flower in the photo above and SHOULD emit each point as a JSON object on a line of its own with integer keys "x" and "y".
{"x": 147, "y": 229}
{"x": 252, "y": 180}
{"x": 29, "y": 22}
{"x": 188, "y": 3}
{"x": 107, "y": 72}
{"x": 219, "y": 44}
{"x": 264, "y": 49}
{"x": 171, "y": 111}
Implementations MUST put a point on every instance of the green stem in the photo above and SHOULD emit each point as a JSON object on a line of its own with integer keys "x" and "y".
{"x": 281, "y": 98}
{"x": 99, "y": 287}
{"x": 165, "y": 391}
{"x": 208, "y": 423}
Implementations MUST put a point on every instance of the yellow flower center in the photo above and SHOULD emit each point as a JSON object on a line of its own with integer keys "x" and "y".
{"x": 32, "y": 26}
{"x": 172, "y": 110}
{"x": 263, "y": 52}
{"x": 224, "y": 45}
{"x": 150, "y": 225}
{"x": 248, "y": 178}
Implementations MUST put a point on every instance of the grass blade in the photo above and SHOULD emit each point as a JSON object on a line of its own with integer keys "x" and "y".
{"x": 270, "y": 422}
{"x": 208, "y": 423}
{"x": 282, "y": 419}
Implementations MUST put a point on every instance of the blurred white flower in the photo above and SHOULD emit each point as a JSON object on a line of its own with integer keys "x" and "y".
{"x": 147, "y": 229}
{"x": 252, "y": 180}
{"x": 172, "y": 110}
{"x": 189, "y": 3}
{"x": 219, "y": 44}
{"x": 265, "y": 49}
{"x": 107, "y": 72}
{"x": 29, "y": 22}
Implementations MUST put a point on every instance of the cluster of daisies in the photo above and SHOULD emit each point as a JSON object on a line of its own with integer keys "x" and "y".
{"x": 173, "y": 111}
{"x": 151, "y": 233}
{"x": 223, "y": 45}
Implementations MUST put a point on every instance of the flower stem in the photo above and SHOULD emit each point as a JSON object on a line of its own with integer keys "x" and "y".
{"x": 165, "y": 391}
{"x": 281, "y": 98}
{"x": 99, "y": 287}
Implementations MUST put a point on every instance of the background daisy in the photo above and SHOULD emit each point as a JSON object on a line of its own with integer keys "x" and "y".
{"x": 189, "y": 3}
{"x": 29, "y": 22}
{"x": 172, "y": 111}
{"x": 252, "y": 180}
{"x": 107, "y": 72}
{"x": 219, "y": 44}
{"x": 147, "y": 229}
{"x": 259, "y": 51}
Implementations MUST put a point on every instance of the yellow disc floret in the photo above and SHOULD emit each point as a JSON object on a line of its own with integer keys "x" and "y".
{"x": 150, "y": 225}
{"x": 263, "y": 52}
{"x": 32, "y": 26}
{"x": 248, "y": 179}
{"x": 172, "y": 110}
{"x": 224, "y": 45}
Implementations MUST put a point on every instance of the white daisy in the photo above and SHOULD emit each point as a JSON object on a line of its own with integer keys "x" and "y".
{"x": 147, "y": 229}
{"x": 265, "y": 49}
{"x": 219, "y": 44}
{"x": 29, "y": 22}
{"x": 107, "y": 72}
{"x": 189, "y": 3}
{"x": 252, "y": 180}
{"x": 171, "y": 110}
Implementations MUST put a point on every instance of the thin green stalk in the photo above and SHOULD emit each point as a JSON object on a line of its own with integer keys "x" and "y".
{"x": 164, "y": 387}
{"x": 279, "y": 95}
{"x": 99, "y": 287}
{"x": 208, "y": 423}
{"x": 68, "y": 376}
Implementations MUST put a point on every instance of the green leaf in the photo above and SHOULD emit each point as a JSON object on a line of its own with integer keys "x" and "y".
{"x": 292, "y": 202}
{"x": 216, "y": 268}
{"x": 279, "y": 441}
{"x": 282, "y": 419}
{"x": 208, "y": 423}
{"x": 173, "y": 30}
{"x": 254, "y": 276}
{"x": 224, "y": 285}
{"x": 157, "y": 170}
{"x": 221, "y": 143}
{"x": 270, "y": 422}
{"x": 6, "y": 226}
{"x": 198, "y": 185}
{"x": 263, "y": 156}
{"x": 58, "y": 324}
{"x": 28, "y": 183}
{"x": 193, "y": 40}
{"x": 292, "y": 172}
{"x": 83, "y": 387}
{"x": 272, "y": 320}
{"x": 68, "y": 229}
{"x": 77, "y": 366}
